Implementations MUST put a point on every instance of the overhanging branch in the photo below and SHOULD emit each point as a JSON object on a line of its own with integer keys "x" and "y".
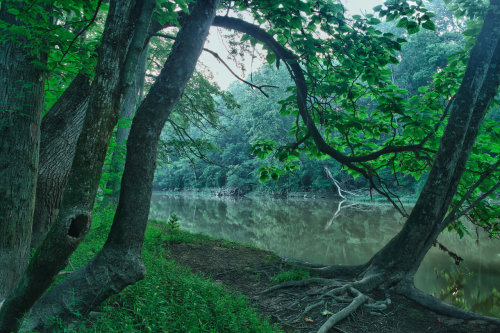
{"x": 219, "y": 59}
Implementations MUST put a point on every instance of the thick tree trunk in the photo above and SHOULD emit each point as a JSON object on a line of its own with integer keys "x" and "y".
{"x": 406, "y": 250}
{"x": 119, "y": 263}
{"x": 21, "y": 100}
{"x": 114, "y": 73}
{"x": 133, "y": 98}
{"x": 60, "y": 130}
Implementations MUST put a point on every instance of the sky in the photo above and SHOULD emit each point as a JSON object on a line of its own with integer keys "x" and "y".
{"x": 215, "y": 43}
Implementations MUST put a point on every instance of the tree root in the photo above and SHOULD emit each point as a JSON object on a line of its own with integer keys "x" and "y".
{"x": 328, "y": 292}
{"x": 313, "y": 306}
{"x": 334, "y": 292}
{"x": 334, "y": 271}
{"x": 335, "y": 318}
{"x": 301, "y": 283}
{"x": 436, "y": 305}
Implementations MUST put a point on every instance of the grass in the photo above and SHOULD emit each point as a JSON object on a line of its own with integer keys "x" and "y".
{"x": 291, "y": 275}
{"x": 177, "y": 235}
{"x": 170, "y": 299}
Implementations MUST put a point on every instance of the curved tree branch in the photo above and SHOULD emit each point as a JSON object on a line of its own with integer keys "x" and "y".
{"x": 300, "y": 81}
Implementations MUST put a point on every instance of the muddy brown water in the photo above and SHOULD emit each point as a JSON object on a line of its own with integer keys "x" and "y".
{"x": 327, "y": 232}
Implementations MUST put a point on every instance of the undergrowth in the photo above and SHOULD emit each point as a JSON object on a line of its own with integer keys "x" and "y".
{"x": 291, "y": 275}
{"x": 170, "y": 299}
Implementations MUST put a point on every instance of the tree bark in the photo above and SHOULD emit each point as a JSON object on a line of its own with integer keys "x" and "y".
{"x": 60, "y": 130}
{"x": 133, "y": 98}
{"x": 21, "y": 100}
{"x": 119, "y": 263}
{"x": 114, "y": 74}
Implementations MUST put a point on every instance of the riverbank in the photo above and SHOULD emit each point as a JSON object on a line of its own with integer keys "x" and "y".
{"x": 375, "y": 198}
{"x": 250, "y": 271}
{"x": 199, "y": 284}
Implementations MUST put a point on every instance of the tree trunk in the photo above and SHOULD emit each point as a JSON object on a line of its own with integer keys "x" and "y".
{"x": 21, "y": 100}
{"x": 61, "y": 128}
{"x": 119, "y": 263}
{"x": 480, "y": 84}
{"x": 133, "y": 98}
{"x": 114, "y": 74}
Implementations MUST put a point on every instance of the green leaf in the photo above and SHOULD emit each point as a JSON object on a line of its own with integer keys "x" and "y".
{"x": 374, "y": 21}
{"x": 412, "y": 28}
{"x": 296, "y": 22}
{"x": 423, "y": 89}
{"x": 429, "y": 25}
{"x": 13, "y": 11}
{"x": 270, "y": 57}
{"x": 403, "y": 23}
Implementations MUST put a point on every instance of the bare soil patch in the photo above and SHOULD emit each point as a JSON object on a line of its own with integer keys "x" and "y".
{"x": 248, "y": 271}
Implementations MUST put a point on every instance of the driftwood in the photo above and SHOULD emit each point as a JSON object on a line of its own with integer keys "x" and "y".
{"x": 337, "y": 185}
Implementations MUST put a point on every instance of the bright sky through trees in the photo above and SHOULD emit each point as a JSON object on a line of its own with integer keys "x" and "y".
{"x": 215, "y": 43}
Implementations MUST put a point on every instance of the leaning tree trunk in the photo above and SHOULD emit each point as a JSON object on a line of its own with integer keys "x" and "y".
{"x": 21, "y": 100}
{"x": 114, "y": 73}
{"x": 60, "y": 130}
{"x": 133, "y": 98}
{"x": 402, "y": 256}
{"x": 119, "y": 263}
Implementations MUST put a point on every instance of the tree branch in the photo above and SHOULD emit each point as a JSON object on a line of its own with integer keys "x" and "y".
{"x": 92, "y": 20}
{"x": 219, "y": 59}
{"x": 453, "y": 215}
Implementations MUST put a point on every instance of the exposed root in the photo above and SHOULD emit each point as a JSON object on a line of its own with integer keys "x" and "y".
{"x": 439, "y": 306}
{"x": 345, "y": 297}
{"x": 335, "y": 318}
{"x": 329, "y": 293}
{"x": 313, "y": 306}
{"x": 301, "y": 283}
{"x": 335, "y": 271}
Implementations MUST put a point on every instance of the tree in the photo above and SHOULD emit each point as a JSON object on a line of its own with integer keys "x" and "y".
{"x": 392, "y": 267}
{"x": 74, "y": 217}
{"x": 331, "y": 71}
{"x": 22, "y": 86}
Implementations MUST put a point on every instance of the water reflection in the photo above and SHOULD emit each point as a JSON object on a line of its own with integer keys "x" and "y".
{"x": 329, "y": 232}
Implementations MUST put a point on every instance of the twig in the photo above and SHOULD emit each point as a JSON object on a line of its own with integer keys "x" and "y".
{"x": 81, "y": 32}
{"x": 453, "y": 215}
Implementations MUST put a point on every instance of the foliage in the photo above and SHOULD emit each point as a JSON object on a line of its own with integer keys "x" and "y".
{"x": 355, "y": 112}
{"x": 173, "y": 223}
{"x": 230, "y": 163}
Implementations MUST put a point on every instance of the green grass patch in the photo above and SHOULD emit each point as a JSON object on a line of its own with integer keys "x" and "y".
{"x": 178, "y": 235}
{"x": 291, "y": 275}
{"x": 171, "y": 298}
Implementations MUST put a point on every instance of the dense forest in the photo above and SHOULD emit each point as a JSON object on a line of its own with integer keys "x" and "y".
{"x": 103, "y": 101}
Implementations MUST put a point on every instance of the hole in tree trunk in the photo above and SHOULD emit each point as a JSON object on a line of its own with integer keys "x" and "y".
{"x": 78, "y": 225}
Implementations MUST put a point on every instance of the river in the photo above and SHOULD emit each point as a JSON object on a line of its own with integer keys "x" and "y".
{"x": 327, "y": 232}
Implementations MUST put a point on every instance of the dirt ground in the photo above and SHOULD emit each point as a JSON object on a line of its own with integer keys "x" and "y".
{"x": 248, "y": 271}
